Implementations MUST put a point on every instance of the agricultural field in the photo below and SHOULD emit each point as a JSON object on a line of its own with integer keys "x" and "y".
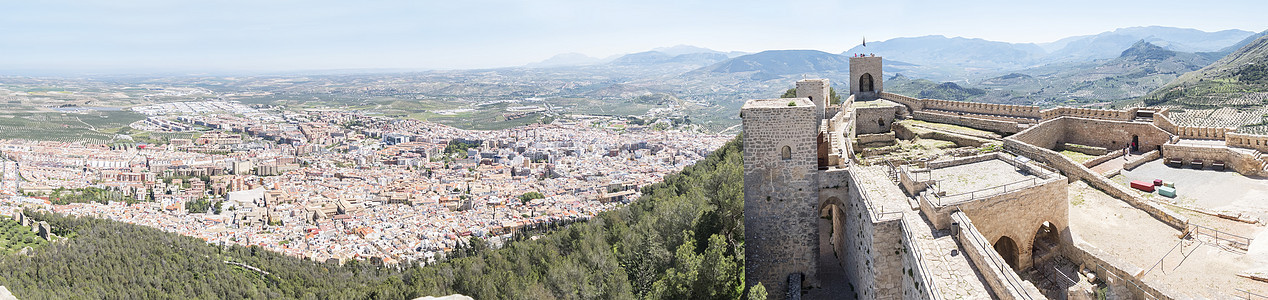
{"x": 1234, "y": 117}
{"x": 90, "y": 126}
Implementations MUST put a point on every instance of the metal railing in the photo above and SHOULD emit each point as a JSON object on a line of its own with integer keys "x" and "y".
{"x": 986, "y": 192}
{"x": 1140, "y": 291}
{"x": 879, "y": 211}
{"x": 1164, "y": 257}
{"x": 1009, "y": 276}
{"x": 1248, "y": 295}
{"x": 1239, "y": 242}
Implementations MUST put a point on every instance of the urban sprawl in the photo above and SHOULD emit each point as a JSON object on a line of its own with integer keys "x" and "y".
{"x": 334, "y": 185}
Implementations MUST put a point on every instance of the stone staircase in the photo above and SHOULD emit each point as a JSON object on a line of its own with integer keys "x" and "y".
{"x": 1262, "y": 161}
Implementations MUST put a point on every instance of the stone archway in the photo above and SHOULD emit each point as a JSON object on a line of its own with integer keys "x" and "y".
{"x": 1044, "y": 247}
{"x": 865, "y": 83}
{"x": 1007, "y": 248}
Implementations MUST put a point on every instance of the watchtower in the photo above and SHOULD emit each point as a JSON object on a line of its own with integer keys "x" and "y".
{"x": 780, "y": 190}
{"x": 866, "y": 77}
{"x": 817, "y": 91}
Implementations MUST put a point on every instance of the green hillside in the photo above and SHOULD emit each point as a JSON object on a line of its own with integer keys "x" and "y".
{"x": 1231, "y": 92}
{"x": 682, "y": 240}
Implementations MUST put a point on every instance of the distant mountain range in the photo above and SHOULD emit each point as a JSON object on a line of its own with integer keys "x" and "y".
{"x": 1225, "y": 82}
{"x": 976, "y": 57}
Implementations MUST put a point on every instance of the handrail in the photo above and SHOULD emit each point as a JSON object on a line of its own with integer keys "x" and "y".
{"x": 1009, "y": 275}
{"x": 877, "y": 213}
{"x": 1249, "y": 294}
{"x": 1164, "y": 257}
{"x": 1198, "y": 230}
{"x": 973, "y": 194}
{"x": 1103, "y": 270}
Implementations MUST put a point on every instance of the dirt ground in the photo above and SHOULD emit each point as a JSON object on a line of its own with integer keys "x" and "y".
{"x": 1195, "y": 267}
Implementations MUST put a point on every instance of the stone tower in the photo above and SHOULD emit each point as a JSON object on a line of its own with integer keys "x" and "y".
{"x": 865, "y": 77}
{"x": 817, "y": 91}
{"x": 780, "y": 190}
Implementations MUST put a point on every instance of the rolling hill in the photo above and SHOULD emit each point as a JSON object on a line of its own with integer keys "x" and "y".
{"x": 1232, "y": 92}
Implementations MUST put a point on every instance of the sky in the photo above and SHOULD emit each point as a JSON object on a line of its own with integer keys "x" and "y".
{"x": 123, "y": 36}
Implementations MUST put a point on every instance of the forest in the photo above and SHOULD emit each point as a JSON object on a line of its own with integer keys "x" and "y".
{"x": 683, "y": 239}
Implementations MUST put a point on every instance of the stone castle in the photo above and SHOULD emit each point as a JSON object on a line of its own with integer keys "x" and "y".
{"x": 884, "y": 196}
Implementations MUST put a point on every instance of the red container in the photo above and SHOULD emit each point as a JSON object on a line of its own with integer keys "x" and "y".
{"x": 1157, "y": 182}
{"x": 1144, "y": 186}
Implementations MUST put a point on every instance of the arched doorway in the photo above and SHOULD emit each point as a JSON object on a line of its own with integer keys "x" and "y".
{"x": 1007, "y": 249}
{"x": 1135, "y": 143}
{"x": 1047, "y": 238}
{"x": 865, "y": 83}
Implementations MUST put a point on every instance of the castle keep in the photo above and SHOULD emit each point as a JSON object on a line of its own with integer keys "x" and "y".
{"x": 884, "y": 196}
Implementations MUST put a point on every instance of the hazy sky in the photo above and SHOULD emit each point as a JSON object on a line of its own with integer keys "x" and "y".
{"x": 269, "y": 35}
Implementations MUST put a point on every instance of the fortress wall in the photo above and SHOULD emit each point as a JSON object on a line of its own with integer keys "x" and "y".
{"x": 1121, "y": 278}
{"x": 1101, "y": 114}
{"x": 1242, "y": 163}
{"x": 1148, "y": 156}
{"x": 780, "y": 195}
{"x": 1045, "y": 135}
{"x": 911, "y": 103}
{"x": 1103, "y": 158}
{"x": 867, "y": 119}
{"x": 870, "y": 263}
{"x": 878, "y": 137}
{"x": 915, "y": 285}
{"x": 1003, "y": 281}
{"x": 1257, "y": 142}
{"x": 1112, "y": 134}
{"x": 1075, "y": 171}
{"x": 1164, "y": 122}
{"x": 1022, "y": 111}
{"x": 971, "y": 122}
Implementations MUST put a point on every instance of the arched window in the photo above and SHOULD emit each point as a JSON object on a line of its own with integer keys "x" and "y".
{"x": 865, "y": 83}
{"x": 785, "y": 153}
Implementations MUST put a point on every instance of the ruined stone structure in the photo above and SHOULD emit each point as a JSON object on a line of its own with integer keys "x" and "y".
{"x": 818, "y": 216}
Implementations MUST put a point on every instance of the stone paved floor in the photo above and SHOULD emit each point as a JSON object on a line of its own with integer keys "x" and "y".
{"x": 833, "y": 283}
{"x": 977, "y": 176}
{"x": 955, "y": 276}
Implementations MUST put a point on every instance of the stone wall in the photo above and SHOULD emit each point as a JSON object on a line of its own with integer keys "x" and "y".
{"x": 817, "y": 91}
{"x": 916, "y": 284}
{"x": 1103, "y": 158}
{"x": 1148, "y": 156}
{"x": 870, "y": 66}
{"x": 867, "y": 119}
{"x": 872, "y": 240}
{"x": 971, "y": 122}
{"x": 1112, "y": 134}
{"x": 887, "y": 138}
{"x": 780, "y": 194}
{"x": 1245, "y": 163}
{"x": 1022, "y": 111}
{"x": 1121, "y": 275}
{"x": 1003, "y": 281}
{"x": 1100, "y": 114}
{"x": 1250, "y": 141}
{"x": 1075, "y": 171}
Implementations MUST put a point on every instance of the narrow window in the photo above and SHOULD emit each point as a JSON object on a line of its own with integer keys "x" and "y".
{"x": 785, "y": 153}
